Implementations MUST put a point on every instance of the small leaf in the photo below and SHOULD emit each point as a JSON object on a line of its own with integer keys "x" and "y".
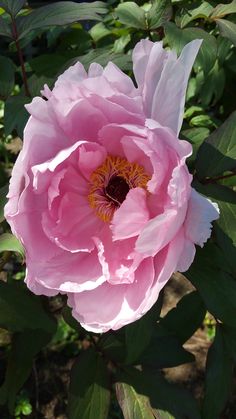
{"x": 192, "y": 13}
{"x": 3, "y": 201}
{"x": 24, "y": 347}
{"x": 15, "y": 115}
{"x": 5, "y": 29}
{"x": 89, "y": 394}
{"x": 21, "y": 310}
{"x": 178, "y": 38}
{"x": 221, "y": 146}
{"x": 133, "y": 405}
{"x": 7, "y": 77}
{"x": 129, "y": 13}
{"x": 159, "y": 13}
{"x": 12, "y": 6}
{"x": 227, "y": 29}
{"x": 9, "y": 243}
{"x": 59, "y": 14}
{"x": 219, "y": 373}
{"x": 222, "y": 10}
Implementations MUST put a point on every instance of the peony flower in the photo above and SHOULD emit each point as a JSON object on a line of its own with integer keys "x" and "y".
{"x": 100, "y": 195}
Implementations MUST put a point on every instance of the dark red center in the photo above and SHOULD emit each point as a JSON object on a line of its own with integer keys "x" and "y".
{"x": 117, "y": 189}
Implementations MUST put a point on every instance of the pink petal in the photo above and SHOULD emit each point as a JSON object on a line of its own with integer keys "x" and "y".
{"x": 163, "y": 80}
{"x": 201, "y": 212}
{"x": 112, "y": 306}
{"x": 132, "y": 215}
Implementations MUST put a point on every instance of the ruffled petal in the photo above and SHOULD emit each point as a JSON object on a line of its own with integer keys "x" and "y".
{"x": 201, "y": 212}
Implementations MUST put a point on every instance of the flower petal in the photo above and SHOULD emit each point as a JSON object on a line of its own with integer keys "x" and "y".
{"x": 132, "y": 215}
{"x": 201, "y": 212}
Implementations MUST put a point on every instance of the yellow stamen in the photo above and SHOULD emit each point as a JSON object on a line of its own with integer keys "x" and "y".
{"x": 133, "y": 174}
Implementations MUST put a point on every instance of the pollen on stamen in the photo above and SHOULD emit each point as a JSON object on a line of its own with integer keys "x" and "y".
{"x": 110, "y": 184}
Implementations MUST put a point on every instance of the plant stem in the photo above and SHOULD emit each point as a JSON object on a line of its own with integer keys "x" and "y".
{"x": 215, "y": 179}
{"x": 20, "y": 55}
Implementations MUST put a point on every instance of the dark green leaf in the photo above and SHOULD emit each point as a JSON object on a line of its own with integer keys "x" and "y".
{"x": 217, "y": 288}
{"x": 219, "y": 372}
{"x": 192, "y": 13}
{"x": 221, "y": 146}
{"x": 23, "y": 350}
{"x": 3, "y": 201}
{"x": 178, "y": 38}
{"x": 165, "y": 350}
{"x": 12, "y": 6}
{"x": 222, "y": 10}
{"x": 59, "y": 14}
{"x": 161, "y": 394}
{"x": 113, "y": 346}
{"x": 129, "y": 13}
{"x": 138, "y": 334}
{"x": 9, "y": 243}
{"x": 21, "y": 310}
{"x": 89, "y": 394}
{"x": 15, "y": 116}
{"x": 42, "y": 65}
{"x": 225, "y": 226}
{"x": 186, "y": 317}
{"x": 159, "y": 13}
{"x": 5, "y": 29}
{"x": 227, "y": 29}
{"x": 133, "y": 405}
{"x": 7, "y": 73}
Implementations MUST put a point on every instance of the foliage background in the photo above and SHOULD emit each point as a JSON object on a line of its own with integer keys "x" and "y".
{"x": 122, "y": 374}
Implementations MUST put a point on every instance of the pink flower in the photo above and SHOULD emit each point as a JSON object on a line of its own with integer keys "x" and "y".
{"x": 101, "y": 196}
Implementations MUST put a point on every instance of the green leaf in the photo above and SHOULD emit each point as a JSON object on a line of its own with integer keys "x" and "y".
{"x": 133, "y": 405}
{"x": 222, "y": 10}
{"x": 21, "y": 310}
{"x": 221, "y": 146}
{"x": 12, "y": 6}
{"x": 192, "y": 13}
{"x": 129, "y": 13}
{"x": 227, "y": 29}
{"x": 217, "y": 288}
{"x": 113, "y": 346}
{"x": 7, "y": 77}
{"x": 15, "y": 115}
{"x": 225, "y": 226}
{"x": 5, "y": 29}
{"x": 99, "y": 31}
{"x": 195, "y": 136}
{"x": 219, "y": 373}
{"x": 178, "y": 38}
{"x": 89, "y": 393}
{"x": 59, "y": 14}
{"x": 165, "y": 351}
{"x": 162, "y": 395}
{"x": 24, "y": 347}
{"x": 159, "y": 13}
{"x": 9, "y": 243}
{"x": 186, "y": 317}
{"x": 138, "y": 334}
{"x": 3, "y": 201}
{"x": 213, "y": 85}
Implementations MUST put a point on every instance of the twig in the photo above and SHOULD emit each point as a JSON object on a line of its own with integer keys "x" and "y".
{"x": 20, "y": 55}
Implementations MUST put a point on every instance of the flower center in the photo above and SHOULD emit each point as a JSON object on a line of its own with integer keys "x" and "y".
{"x": 117, "y": 190}
{"x": 110, "y": 184}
